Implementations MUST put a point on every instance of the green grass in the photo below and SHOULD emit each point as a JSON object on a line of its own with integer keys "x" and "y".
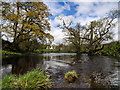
{"x": 53, "y": 51}
{"x": 9, "y": 82}
{"x": 45, "y": 50}
{"x": 33, "y": 79}
{"x": 48, "y": 50}
{"x": 5, "y": 52}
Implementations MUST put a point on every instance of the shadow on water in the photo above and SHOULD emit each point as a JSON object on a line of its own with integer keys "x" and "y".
{"x": 93, "y": 71}
{"x": 21, "y": 64}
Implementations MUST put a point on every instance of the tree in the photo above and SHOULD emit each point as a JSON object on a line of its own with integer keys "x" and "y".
{"x": 25, "y": 21}
{"x": 99, "y": 31}
{"x": 74, "y": 35}
{"x": 90, "y": 37}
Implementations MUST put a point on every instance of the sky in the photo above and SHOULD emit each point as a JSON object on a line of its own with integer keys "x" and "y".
{"x": 78, "y": 12}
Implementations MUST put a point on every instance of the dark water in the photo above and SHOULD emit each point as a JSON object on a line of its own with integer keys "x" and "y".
{"x": 93, "y": 71}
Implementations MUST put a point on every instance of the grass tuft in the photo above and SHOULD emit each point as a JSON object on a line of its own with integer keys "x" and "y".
{"x": 71, "y": 76}
{"x": 32, "y": 79}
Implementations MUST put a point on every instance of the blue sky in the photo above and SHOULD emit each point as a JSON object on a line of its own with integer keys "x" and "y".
{"x": 78, "y": 12}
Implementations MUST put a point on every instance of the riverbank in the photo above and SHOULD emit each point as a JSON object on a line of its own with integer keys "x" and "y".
{"x": 39, "y": 51}
{"x": 5, "y": 52}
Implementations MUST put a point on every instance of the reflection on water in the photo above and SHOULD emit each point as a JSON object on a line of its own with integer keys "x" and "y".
{"x": 93, "y": 71}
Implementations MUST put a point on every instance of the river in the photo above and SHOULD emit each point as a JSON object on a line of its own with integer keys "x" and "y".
{"x": 93, "y": 71}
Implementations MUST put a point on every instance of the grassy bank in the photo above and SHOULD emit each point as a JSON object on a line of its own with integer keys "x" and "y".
{"x": 10, "y": 53}
{"x": 33, "y": 79}
{"x": 38, "y": 51}
{"x": 5, "y": 52}
{"x": 53, "y": 51}
{"x": 45, "y": 50}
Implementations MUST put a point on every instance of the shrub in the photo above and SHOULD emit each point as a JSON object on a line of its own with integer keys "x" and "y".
{"x": 71, "y": 76}
{"x": 32, "y": 79}
{"x": 111, "y": 49}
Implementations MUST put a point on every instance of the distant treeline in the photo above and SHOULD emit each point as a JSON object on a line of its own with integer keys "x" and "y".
{"x": 110, "y": 49}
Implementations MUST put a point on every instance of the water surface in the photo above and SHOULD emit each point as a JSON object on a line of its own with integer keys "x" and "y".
{"x": 93, "y": 71}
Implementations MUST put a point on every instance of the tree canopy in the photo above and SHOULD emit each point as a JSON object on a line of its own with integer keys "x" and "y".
{"x": 25, "y": 22}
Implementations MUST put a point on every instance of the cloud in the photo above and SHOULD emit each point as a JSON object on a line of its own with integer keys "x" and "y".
{"x": 58, "y": 19}
{"x": 85, "y": 12}
{"x": 95, "y": 9}
{"x": 58, "y": 35}
{"x": 56, "y": 8}
{"x": 67, "y": 6}
{"x": 91, "y": 0}
{"x": 116, "y": 32}
{"x": 76, "y": 0}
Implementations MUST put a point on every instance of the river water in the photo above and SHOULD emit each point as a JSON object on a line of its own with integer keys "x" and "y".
{"x": 93, "y": 71}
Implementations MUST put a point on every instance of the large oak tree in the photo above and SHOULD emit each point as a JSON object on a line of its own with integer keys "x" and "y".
{"x": 25, "y": 22}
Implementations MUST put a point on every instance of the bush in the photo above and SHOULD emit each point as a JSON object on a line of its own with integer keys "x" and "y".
{"x": 111, "y": 49}
{"x": 33, "y": 79}
{"x": 71, "y": 76}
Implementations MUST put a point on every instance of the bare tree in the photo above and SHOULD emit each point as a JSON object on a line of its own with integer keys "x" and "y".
{"x": 74, "y": 34}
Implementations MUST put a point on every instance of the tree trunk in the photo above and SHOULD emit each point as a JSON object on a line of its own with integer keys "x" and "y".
{"x": 15, "y": 41}
{"x": 78, "y": 50}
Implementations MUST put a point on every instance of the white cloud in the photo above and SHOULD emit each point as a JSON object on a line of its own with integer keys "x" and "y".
{"x": 95, "y": 9}
{"x": 89, "y": 11}
{"x": 58, "y": 20}
{"x": 91, "y": 0}
{"x": 77, "y": 0}
{"x": 83, "y": 8}
{"x": 67, "y": 6}
{"x": 58, "y": 35}
{"x": 115, "y": 30}
{"x": 55, "y": 8}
